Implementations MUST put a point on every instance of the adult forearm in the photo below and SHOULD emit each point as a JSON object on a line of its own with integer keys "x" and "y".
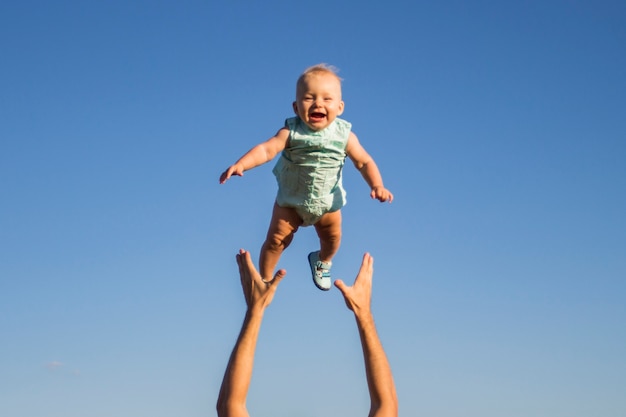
{"x": 378, "y": 371}
{"x": 232, "y": 397}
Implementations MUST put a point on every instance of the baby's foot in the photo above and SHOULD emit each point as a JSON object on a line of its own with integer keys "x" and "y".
{"x": 320, "y": 271}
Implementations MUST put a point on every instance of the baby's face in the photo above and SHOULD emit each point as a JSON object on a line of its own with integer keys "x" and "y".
{"x": 318, "y": 100}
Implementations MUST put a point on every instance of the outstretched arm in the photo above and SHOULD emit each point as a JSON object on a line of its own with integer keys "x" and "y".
{"x": 368, "y": 169}
{"x": 260, "y": 154}
{"x": 384, "y": 402}
{"x": 258, "y": 294}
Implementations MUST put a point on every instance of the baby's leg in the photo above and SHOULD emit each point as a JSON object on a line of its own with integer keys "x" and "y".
{"x": 328, "y": 228}
{"x": 285, "y": 222}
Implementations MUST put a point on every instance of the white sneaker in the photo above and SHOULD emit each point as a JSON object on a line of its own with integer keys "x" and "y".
{"x": 320, "y": 271}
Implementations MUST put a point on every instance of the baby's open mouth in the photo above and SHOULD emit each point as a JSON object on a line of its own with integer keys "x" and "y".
{"x": 316, "y": 116}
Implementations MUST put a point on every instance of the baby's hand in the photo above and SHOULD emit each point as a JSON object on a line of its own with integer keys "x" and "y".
{"x": 236, "y": 169}
{"x": 381, "y": 194}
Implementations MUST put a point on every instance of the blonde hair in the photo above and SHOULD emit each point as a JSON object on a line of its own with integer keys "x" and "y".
{"x": 321, "y": 68}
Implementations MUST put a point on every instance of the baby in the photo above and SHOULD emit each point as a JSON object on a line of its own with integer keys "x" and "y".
{"x": 313, "y": 147}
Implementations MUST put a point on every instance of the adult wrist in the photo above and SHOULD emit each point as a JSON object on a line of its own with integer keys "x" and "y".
{"x": 364, "y": 317}
{"x": 255, "y": 311}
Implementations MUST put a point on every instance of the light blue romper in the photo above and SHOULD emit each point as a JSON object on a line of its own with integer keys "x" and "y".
{"x": 309, "y": 169}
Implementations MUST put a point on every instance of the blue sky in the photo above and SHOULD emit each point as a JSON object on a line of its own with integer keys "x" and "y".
{"x": 500, "y": 269}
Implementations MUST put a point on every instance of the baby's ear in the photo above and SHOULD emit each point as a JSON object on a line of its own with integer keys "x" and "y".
{"x": 341, "y": 106}
{"x": 295, "y": 107}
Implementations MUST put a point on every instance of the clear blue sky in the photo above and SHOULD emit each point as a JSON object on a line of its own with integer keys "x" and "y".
{"x": 500, "y": 278}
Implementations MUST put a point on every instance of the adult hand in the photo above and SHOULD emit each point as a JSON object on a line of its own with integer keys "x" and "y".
{"x": 358, "y": 297}
{"x": 384, "y": 402}
{"x": 258, "y": 293}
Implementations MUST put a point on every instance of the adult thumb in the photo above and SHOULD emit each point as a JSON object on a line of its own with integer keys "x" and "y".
{"x": 340, "y": 285}
{"x": 279, "y": 275}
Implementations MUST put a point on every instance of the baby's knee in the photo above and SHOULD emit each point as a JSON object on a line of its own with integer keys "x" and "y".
{"x": 333, "y": 235}
{"x": 278, "y": 239}
{"x": 329, "y": 234}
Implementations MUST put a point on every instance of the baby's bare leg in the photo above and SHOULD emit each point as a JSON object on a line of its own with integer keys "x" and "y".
{"x": 285, "y": 222}
{"x": 328, "y": 229}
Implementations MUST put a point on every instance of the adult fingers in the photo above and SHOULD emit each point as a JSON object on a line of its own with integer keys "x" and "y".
{"x": 248, "y": 265}
{"x": 240, "y": 263}
{"x": 367, "y": 266}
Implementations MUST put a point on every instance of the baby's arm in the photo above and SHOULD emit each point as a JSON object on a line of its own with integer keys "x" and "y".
{"x": 260, "y": 154}
{"x": 368, "y": 169}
